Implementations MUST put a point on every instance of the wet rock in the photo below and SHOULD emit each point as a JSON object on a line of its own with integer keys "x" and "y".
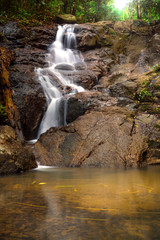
{"x": 27, "y": 92}
{"x": 79, "y": 103}
{"x": 75, "y": 108}
{"x": 28, "y": 97}
{"x": 67, "y": 67}
{"x": 85, "y": 78}
{"x": 14, "y": 157}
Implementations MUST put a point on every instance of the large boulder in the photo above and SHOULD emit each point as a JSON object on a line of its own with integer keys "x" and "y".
{"x": 66, "y": 18}
{"x": 14, "y": 157}
{"x": 97, "y": 139}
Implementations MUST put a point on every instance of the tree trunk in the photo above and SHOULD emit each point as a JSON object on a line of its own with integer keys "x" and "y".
{"x": 139, "y": 9}
{"x": 97, "y": 18}
{"x": 74, "y": 7}
{"x": 65, "y": 6}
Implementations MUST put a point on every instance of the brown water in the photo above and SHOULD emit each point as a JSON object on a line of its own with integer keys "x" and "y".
{"x": 81, "y": 204}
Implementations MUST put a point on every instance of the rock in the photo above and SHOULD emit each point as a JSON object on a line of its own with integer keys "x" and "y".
{"x": 123, "y": 89}
{"x": 79, "y": 103}
{"x": 96, "y": 139}
{"x": 122, "y": 26}
{"x": 87, "y": 37}
{"x": 75, "y": 108}
{"x": 62, "y": 66}
{"x": 5, "y": 89}
{"x": 116, "y": 75}
{"x": 66, "y": 18}
{"x": 100, "y": 61}
{"x": 27, "y": 92}
{"x": 85, "y": 78}
{"x": 129, "y": 26}
{"x": 149, "y": 124}
{"x": 13, "y": 32}
{"x": 14, "y": 157}
{"x": 28, "y": 97}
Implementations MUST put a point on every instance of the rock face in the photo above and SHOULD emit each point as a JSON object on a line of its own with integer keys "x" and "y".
{"x": 115, "y": 123}
{"x": 97, "y": 139}
{"x": 28, "y": 46}
{"x": 6, "y": 91}
{"x": 14, "y": 157}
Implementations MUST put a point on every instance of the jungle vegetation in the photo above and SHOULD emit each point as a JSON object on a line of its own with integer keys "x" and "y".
{"x": 94, "y": 10}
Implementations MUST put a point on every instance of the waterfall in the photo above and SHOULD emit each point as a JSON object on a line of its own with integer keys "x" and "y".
{"x": 63, "y": 56}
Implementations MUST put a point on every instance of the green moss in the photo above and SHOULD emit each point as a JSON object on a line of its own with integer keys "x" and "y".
{"x": 157, "y": 110}
{"x": 2, "y": 20}
{"x": 146, "y": 83}
{"x": 3, "y": 115}
{"x": 157, "y": 126}
{"x": 144, "y": 95}
{"x": 111, "y": 31}
{"x": 145, "y": 108}
{"x": 156, "y": 86}
{"x": 108, "y": 41}
{"x": 148, "y": 108}
{"x": 15, "y": 69}
{"x": 156, "y": 67}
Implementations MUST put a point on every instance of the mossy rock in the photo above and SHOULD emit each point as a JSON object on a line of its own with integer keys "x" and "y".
{"x": 66, "y": 18}
{"x": 156, "y": 85}
{"x": 120, "y": 43}
{"x": 148, "y": 108}
{"x": 157, "y": 110}
{"x": 157, "y": 124}
{"x": 144, "y": 95}
{"x": 107, "y": 40}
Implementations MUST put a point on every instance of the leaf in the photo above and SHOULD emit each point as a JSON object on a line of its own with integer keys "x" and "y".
{"x": 33, "y": 182}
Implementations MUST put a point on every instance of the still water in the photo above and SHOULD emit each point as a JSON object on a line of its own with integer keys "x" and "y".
{"x": 81, "y": 204}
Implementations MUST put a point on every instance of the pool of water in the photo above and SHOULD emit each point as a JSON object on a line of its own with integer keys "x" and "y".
{"x": 81, "y": 204}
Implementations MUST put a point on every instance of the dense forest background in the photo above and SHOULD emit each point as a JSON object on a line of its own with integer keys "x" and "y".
{"x": 95, "y": 10}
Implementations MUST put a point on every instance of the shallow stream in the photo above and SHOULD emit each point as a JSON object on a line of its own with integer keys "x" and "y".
{"x": 81, "y": 204}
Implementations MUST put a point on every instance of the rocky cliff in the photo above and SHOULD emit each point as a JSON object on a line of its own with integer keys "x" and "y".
{"x": 115, "y": 123}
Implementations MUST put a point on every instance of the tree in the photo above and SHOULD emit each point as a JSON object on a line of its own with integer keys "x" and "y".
{"x": 138, "y": 9}
{"x": 93, "y": 10}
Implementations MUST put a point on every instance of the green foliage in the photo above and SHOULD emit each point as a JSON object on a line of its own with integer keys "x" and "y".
{"x": 3, "y": 115}
{"x": 157, "y": 126}
{"x": 93, "y": 10}
{"x": 156, "y": 67}
{"x": 144, "y": 95}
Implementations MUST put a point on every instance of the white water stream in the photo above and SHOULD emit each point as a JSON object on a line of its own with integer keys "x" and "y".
{"x": 62, "y": 56}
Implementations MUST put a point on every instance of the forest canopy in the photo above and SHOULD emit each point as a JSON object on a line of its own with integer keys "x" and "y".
{"x": 95, "y": 10}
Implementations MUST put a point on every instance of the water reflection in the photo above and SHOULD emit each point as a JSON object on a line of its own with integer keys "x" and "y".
{"x": 79, "y": 204}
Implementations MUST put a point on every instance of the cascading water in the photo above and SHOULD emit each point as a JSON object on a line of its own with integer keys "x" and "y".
{"x": 62, "y": 56}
